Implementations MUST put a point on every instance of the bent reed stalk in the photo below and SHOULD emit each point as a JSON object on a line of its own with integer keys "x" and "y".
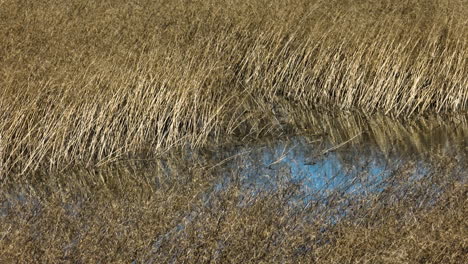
{"x": 85, "y": 83}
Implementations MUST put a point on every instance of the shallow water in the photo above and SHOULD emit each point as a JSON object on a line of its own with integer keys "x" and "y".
{"x": 322, "y": 176}
{"x": 298, "y": 161}
{"x": 337, "y": 160}
{"x": 350, "y": 155}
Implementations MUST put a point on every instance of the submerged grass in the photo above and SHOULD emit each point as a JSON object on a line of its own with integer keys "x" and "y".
{"x": 84, "y": 83}
{"x": 172, "y": 212}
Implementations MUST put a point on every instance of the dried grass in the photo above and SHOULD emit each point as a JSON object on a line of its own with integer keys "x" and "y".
{"x": 85, "y": 83}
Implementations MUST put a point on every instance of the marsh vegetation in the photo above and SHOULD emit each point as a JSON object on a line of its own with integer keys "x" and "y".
{"x": 84, "y": 83}
{"x": 233, "y": 131}
{"x": 272, "y": 201}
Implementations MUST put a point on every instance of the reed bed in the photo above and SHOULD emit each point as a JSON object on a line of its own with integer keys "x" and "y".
{"x": 86, "y": 86}
{"x": 85, "y": 83}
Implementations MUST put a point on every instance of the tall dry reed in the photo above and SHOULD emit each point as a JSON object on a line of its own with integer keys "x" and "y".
{"x": 86, "y": 83}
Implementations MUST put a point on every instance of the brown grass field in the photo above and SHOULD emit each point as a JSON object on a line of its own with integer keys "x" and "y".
{"x": 87, "y": 84}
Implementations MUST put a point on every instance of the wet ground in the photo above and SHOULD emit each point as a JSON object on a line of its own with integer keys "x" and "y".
{"x": 333, "y": 160}
{"x": 324, "y": 175}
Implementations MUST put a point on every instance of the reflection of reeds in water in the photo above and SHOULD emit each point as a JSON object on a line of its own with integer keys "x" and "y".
{"x": 437, "y": 134}
{"x": 172, "y": 211}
